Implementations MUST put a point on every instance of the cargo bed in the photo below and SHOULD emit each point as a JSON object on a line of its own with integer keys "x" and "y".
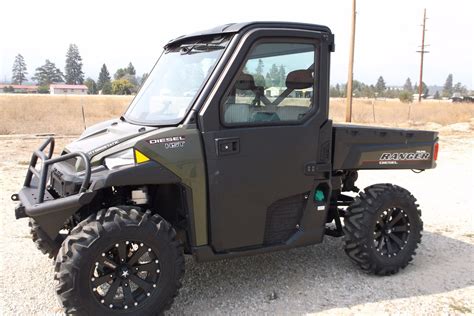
{"x": 366, "y": 147}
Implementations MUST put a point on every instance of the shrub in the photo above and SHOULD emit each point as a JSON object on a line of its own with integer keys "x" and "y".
{"x": 8, "y": 89}
{"x": 43, "y": 89}
{"x": 406, "y": 97}
{"x": 122, "y": 87}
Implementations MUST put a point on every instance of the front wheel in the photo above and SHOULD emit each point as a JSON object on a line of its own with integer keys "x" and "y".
{"x": 382, "y": 229}
{"x": 119, "y": 262}
{"x": 43, "y": 242}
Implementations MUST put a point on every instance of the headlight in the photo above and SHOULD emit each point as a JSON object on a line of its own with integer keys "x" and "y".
{"x": 120, "y": 159}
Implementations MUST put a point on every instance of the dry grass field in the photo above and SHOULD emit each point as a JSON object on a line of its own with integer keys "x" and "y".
{"x": 393, "y": 112}
{"x": 29, "y": 114}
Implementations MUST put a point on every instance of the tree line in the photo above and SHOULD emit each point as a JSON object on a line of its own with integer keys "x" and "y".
{"x": 405, "y": 93}
{"x": 125, "y": 80}
{"x": 276, "y": 76}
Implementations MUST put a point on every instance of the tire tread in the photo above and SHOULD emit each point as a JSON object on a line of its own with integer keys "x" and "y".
{"x": 42, "y": 241}
{"x": 357, "y": 228}
{"x": 91, "y": 229}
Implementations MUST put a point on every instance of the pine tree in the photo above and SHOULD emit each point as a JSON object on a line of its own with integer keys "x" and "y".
{"x": 48, "y": 74}
{"x": 408, "y": 86}
{"x": 143, "y": 78}
{"x": 334, "y": 91}
{"x": 107, "y": 88}
{"x": 73, "y": 69}
{"x": 131, "y": 70}
{"x": 448, "y": 86}
{"x": 120, "y": 73}
{"x": 259, "y": 78}
{"x": 282, "y": 75}
{"x": 424, "y": 89}
{"x": 268, "y": 78}
{"x": 460, "y": 88}
{"x": 274, "y": 77}
{"x": 104, "y": 78}
{"x": 260, "y": 66}
{"x": 380, "y": 86}
{"x": 19, "y": 70}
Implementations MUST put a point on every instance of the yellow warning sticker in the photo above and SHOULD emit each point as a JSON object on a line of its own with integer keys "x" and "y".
{"x": 140, "y": 157}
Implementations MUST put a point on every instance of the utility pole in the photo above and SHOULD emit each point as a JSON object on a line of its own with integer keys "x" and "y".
{"x": 351, "y": 66}
{"x": 422, "y": 53}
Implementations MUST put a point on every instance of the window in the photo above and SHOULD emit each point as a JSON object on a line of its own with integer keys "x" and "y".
{"x": 177, "y": 78}
{"x": 276, "y": 84}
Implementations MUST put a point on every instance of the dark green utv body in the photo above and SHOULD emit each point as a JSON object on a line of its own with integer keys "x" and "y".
{"x": 227, "y": 150}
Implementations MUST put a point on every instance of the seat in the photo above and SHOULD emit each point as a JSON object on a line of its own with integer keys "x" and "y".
{"x": 291, "y": 112}
{"x": 237, "y": 113}
{"x": 295, "y": 80}
{"x": 300, "y": 79}
{"x": 245, "y": 82}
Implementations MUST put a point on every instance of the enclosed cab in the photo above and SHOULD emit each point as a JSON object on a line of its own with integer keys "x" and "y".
{"x": 226, "y": 150}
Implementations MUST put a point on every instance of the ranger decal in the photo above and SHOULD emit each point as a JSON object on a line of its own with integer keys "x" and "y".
{"x": 394, "y": 158}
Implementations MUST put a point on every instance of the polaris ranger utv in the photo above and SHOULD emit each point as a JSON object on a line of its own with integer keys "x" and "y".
{"x": 226, "y": 151}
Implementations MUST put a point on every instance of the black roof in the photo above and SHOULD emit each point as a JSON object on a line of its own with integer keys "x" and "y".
{"x": 238, "y": 27}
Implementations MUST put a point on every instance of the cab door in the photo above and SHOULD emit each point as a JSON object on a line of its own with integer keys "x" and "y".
{"x": 261, "y": 132}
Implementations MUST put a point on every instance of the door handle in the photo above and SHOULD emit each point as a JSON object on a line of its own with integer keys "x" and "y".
{"x": 227, "y": 146}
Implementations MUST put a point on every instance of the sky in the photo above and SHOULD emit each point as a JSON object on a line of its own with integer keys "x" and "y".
{"x": 388, "y": 33}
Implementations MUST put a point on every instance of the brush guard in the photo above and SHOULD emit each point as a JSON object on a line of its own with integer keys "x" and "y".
{"x": 35, "y": 200}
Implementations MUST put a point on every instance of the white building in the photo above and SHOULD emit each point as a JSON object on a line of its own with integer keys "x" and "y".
{"x": 274, "y": 91}
{"x": 67, "y": 89}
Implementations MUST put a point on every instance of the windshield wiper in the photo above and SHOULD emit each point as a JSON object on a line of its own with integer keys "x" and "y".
{"x": 199, "y": 48}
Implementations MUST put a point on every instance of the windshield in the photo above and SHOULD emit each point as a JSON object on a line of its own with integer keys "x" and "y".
{"x": 168, "y": 92}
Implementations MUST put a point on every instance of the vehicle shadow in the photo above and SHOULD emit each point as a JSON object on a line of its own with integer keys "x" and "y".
{"x": 318, "y": 278}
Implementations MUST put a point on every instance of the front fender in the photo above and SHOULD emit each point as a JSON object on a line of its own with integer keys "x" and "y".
{"x": 149, "y": 172}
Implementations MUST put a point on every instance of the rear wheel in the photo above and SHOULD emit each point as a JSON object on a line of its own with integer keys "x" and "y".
{"x": 383, "y": 229}
{"x": 119, "y": 261}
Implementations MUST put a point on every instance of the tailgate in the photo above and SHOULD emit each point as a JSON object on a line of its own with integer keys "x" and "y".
{"x": 364, "y": 147}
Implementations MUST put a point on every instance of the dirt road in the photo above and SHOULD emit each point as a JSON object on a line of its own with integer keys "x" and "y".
{"x": 315, "y": 279}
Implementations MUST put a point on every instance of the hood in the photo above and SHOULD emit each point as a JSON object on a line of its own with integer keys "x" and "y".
{"x": 105, "y": 135}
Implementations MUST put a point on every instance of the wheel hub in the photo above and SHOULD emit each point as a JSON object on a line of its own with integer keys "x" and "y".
{"x": 124, "y": 272}
{"x": 125, "y": 275}
{"x": 391, "y": 232}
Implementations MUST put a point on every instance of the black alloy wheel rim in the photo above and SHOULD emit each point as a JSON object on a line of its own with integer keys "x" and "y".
{"x": 391, "y": 232}
{"x": 125, "y": 275}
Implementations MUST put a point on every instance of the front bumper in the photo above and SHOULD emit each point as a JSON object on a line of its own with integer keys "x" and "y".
{"x": 38, "y": 203}
{"x": 29, "y": 206}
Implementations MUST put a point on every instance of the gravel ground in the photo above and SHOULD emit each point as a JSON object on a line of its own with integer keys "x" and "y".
{"x": 315, "y": 279}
